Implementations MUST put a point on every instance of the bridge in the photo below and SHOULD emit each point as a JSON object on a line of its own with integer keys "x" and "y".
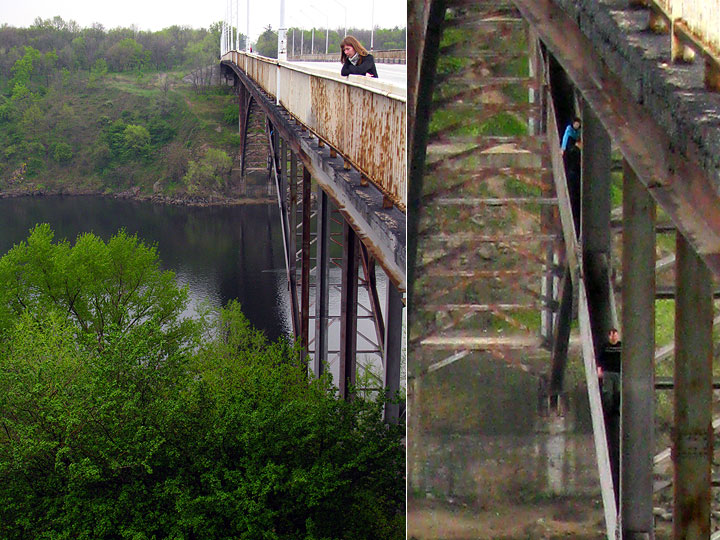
{"x": 336, "y": 151}
{"x": 506, "y": 251}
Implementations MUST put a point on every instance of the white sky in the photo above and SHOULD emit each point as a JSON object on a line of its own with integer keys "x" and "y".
{"x": 158, "y": 14}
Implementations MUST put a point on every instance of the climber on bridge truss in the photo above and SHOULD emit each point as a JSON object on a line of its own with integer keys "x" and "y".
{"x": 571, "y": 145}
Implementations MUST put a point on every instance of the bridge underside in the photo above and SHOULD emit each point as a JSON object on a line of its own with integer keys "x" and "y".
{"x": 599, "y": 60}
{"x": 382, "y": 230}
{"x": 336, "y": 234}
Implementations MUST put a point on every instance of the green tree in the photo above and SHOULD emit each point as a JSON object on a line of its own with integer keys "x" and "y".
{"x": 97, "y": 72}
{"x": 212, "y": 171}
{"x": 266, "y": 44}
{"x": 62, "y": 152}
{"x": 145, "y": 430}
{"x": 136, "y": 140}
{"x": 127, "y": 54}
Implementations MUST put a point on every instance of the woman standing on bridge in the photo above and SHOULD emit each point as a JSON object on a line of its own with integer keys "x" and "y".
{"x": 355, "y": 58}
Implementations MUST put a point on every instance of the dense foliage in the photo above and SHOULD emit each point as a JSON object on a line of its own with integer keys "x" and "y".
{"x": 96, "y": 110}
{"x": 122, "y": 420}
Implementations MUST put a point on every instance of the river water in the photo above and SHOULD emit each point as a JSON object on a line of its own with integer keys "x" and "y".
{"x": 221, "y": 253}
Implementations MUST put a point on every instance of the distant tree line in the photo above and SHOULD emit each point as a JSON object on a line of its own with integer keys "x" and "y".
{"x": 123, "y": 49}
{"x": 300, "y": 41}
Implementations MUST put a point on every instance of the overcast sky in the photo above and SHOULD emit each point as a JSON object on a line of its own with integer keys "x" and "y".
{"x": 159, "y": 14}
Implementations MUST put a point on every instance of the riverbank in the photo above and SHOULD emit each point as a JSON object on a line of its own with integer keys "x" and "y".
{"x": 135, "y": 194}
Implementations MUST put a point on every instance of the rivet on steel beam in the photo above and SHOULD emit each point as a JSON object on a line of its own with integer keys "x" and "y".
{"x": 712, "y": 75}
{"x": 346, "y": 165}
{"x": 364, "y": 181}
{"x": 333, "y": 152}
{"x": 387, "y": 203}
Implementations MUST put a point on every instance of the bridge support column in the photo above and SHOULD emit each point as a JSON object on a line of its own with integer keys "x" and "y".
{"x": 348, "y": 311}
{"x": 322, "y": 282}
{"x": 305, "y": 260}
{"x": 693, "y": 440}
{"x": 638, "y": 381}
{"x": 392, "y": 351}
{"x": 596, "y": 236}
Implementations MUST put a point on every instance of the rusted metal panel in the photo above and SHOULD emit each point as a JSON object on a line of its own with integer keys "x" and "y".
{"x": 363, "y": 120}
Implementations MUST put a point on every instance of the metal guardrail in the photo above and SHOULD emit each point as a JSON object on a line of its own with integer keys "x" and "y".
{"x": 694, "y": 26}
{"x": 363, "y": 119}
{"x": 701, "y": 17}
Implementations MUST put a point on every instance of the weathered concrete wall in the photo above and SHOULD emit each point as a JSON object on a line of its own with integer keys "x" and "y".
{"x": 673, "y": 93}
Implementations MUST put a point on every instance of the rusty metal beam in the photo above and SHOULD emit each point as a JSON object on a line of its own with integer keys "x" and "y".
{"x": 305, "y": 259}
{"x": 638, "y": 324}
{"x": 348, "y": 312}
{"x": 368, "y": 264}
{"x": 381, "y": 230}
{"x": 561, "y": 334}
{"x": 693, "y": 441}
{"x": 425, "y": 21}
{"x": 322, "y": 282}
{"x": 392, "y": 352}
{"x": 284, "y": 218}
{"x": 677, "y": 183}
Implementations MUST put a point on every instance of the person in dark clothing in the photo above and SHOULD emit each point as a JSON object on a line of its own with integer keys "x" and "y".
{"x": 355, "y": 59}
{"x": 609, "y": 365}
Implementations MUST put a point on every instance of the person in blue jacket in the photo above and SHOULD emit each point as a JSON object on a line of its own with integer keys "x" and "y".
{"x": 572, "y": 136}
{"x": 355, "y": 59}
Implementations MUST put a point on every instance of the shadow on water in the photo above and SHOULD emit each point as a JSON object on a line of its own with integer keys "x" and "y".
{"x": 221, "y": 253}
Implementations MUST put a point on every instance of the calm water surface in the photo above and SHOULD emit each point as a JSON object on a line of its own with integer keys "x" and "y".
{"x": 220, "y": 253}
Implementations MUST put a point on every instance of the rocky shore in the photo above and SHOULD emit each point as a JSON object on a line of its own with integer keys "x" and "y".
{"x": 199, "y": 199}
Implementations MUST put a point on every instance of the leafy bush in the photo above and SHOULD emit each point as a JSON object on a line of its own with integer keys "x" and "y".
{"x": 231, "y": 114}
{"x": 62, "y": 152}
{"x": 119, "y": 421}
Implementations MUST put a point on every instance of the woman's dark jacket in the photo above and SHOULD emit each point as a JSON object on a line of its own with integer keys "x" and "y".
{"x": 365, "y": 65}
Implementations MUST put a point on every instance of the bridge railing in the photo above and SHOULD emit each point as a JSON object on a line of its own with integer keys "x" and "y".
{"x": 390, "y": 56}
{"x": 363, "y": 119}
{"x": 702, "y": 17}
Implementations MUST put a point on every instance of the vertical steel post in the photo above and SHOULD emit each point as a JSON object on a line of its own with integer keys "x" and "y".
{"x": 322, "y": 282}
{"x": 305, "y": 261}
{"x": 595, "y": 223}
{"x": 596, "y": 236}
{"x": 692, "y": 445}
{"x": 561, "y": 334}
{"x": 348, "y": 311}
{"x": 637, "y": 415}
{"x": 393, "y": 351}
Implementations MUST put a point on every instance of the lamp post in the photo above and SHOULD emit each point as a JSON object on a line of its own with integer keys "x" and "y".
{"x": 247, "y": 22}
